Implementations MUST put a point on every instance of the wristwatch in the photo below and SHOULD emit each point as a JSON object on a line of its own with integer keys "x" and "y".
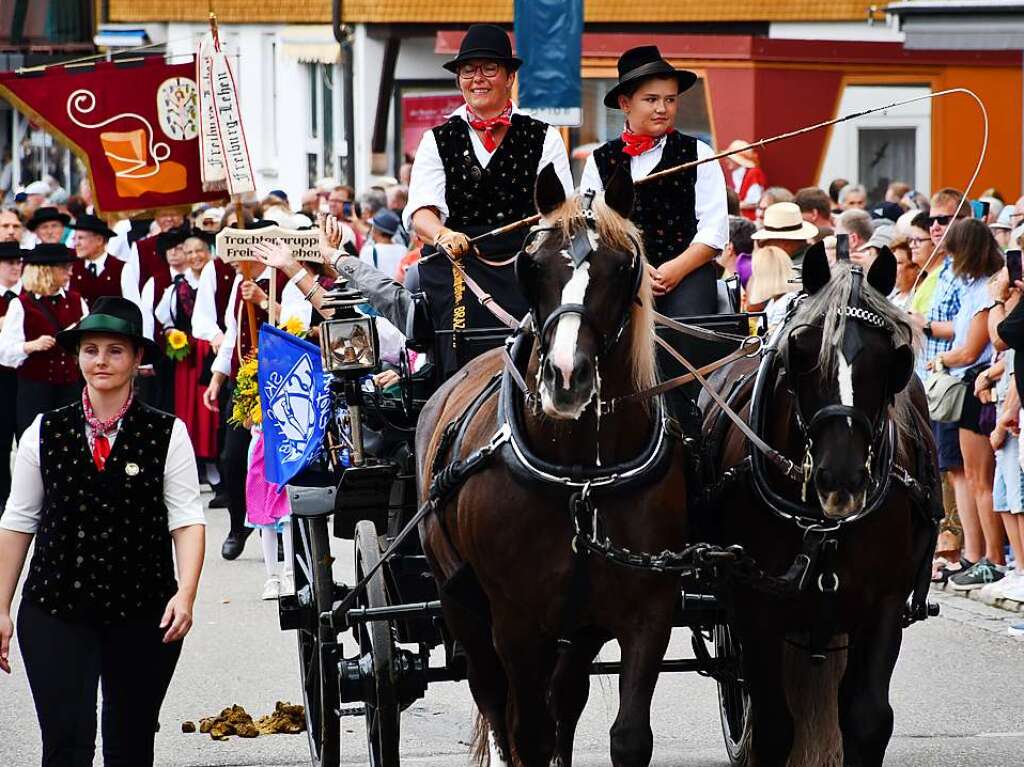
{"x": 927, "y": 329}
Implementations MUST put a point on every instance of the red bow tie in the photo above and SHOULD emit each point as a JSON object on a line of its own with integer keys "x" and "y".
{"x": 637, "y": 143}
{"x": 488, "y": 126}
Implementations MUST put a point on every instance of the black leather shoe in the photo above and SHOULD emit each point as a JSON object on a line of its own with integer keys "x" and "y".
{"x": 280, "y": 548}
{"x": 219, "y": 501}
{"x": 234, "y": 543}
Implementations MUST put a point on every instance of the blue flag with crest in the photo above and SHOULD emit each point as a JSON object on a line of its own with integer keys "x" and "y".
{"x": 295, "y": 400}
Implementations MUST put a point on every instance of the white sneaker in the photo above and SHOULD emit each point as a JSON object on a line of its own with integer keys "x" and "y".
{"x": 1015, "y": 591}
{"x": 272, "y": 588}
{"x": 992, "y": 592}
{"x": 287, "y": 583}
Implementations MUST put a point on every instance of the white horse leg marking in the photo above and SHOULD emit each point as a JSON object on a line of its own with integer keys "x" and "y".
{"x": 845, "y": 381}
{"x": 497, "y": 758}
{"x": 563, "y": 348}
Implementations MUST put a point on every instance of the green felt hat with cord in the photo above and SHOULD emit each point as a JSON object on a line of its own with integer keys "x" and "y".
{"x": 111, "y": 315}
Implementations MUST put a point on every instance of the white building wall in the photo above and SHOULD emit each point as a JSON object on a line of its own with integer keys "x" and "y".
{"x": 273, "y": 93}
{"x": 841, "y": 158}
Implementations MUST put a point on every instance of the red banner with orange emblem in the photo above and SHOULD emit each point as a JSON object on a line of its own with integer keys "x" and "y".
{"x": 135, "y": 126}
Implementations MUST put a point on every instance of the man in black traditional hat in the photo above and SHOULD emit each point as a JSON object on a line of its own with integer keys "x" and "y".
{"x": 474, "y": 173}
{"x": 48, "y": 224}
{"x": 97, "y": 273}
{"x": 10, "y": 288}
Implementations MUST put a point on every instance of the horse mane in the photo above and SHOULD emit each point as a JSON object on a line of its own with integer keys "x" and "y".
{"x": 621, "y": 234}
{"x": 836, "y": 293}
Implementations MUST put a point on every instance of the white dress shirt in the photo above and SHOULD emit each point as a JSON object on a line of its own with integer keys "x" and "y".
{"x": 206, "y": 325}
{"x": 710, "y": 206}
{"x": 167, "y": 306}
{"x": 181, "y": 482}
{"x": 12, "y": 336}
{"x": 427, "y": 183}
{"x": 291, "y": 304}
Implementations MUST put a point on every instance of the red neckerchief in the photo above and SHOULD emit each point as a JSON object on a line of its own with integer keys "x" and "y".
{"x": 98, "y": 430}
{"x": 637, "y": 143}
{"x": 488, "y": 126}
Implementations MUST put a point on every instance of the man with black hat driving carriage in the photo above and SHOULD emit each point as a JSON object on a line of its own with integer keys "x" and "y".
{"x": 472, "y": 174}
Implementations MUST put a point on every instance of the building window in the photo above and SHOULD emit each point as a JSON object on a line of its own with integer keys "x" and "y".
{"x": 325, "y": 135}
{"x": 600, "y": 124}
{"x": 885, "y": 155}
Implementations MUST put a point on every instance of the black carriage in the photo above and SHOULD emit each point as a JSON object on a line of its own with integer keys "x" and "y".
{"x": 396, "y": 621}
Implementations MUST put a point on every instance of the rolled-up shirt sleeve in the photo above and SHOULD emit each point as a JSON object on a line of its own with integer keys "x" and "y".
{"x": 710, "y": 207}
{"x": 554, "y": 153}
{"x": 222, "y": 362}
{"x": 12, "y": 337}
{"x": 204, "y": 313}
{"x": 181, "y": 481}
{"x": 25, "y": 503}
{"x": 294, "y": 304}
{"x": 427, "y": 182}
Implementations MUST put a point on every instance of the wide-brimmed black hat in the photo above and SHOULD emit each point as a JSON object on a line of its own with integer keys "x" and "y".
{"x": 49, "y": 254}
{"x": 89, "y": 223}
{"x": 485, "y": 41}
{"x": 640, "y": 63}
{"x": 44, "y": 214}
{"x": 111, "y": 315}
{"x": 172, "y": 238}
{"x": 11, "y": 251}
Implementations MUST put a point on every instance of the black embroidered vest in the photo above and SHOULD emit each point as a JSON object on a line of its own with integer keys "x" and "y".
{"x": 663, "y": 210}
{"x": 103, "y": 551}
{"x": 480, "y": 199}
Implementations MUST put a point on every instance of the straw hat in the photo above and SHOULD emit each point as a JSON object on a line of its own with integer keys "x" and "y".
{"x": 782, "y": 221}
{"x": 747, "y": 158}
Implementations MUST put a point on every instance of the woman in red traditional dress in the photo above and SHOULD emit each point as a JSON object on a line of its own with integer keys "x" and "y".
{"x": 191, "y": 373}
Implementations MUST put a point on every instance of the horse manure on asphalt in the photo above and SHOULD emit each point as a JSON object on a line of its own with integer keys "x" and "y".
{"x": 286, "y": 719}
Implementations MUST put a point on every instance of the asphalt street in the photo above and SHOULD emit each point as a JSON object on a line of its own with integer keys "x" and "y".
{"x": 958, "y": 692}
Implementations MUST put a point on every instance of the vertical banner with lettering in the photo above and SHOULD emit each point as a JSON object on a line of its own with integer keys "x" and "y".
{"x": 550, "y": 82}
{"x": 225, "y": 153}
{"x": 210, "y": 156}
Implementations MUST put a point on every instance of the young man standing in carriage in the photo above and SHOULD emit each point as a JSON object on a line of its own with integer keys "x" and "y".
{"x": 472, "y": 174}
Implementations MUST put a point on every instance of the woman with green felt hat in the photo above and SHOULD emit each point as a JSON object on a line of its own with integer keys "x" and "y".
{"x": 107, "y": 486}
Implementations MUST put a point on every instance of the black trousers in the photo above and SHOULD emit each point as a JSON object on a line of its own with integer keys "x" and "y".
{"x": 8, "y": 429}
{"x": 234, "y": 463}
{"x": 35, "y": 397}
{"x": 66, "y": 661}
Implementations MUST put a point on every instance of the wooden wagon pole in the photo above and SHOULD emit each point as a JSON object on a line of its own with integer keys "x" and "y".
{"x": 765, "y": 142}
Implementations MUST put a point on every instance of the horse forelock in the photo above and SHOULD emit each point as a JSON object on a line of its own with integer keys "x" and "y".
{"x": 620, "y": 234}
{"x": 823, "y": 304}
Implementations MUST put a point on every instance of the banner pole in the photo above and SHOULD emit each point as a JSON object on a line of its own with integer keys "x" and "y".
{"x": 247, "y": 273}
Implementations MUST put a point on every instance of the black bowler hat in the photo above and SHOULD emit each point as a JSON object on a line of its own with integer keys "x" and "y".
{"x": 10, "y": 251}
{"x": 49, "y": 254}
{"x": 112, "y": 315}
{"x": 44, "y": 214}
{"x": 638, "y": 64}
{"x": 89, "y": 223}
{"x": 485, "y": 41}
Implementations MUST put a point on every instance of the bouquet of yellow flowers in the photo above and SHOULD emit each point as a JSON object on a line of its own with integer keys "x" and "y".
{"x": 177, "y": 345}
{"x": 245, "y": 404}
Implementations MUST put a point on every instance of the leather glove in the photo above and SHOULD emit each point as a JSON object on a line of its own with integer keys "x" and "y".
{"x": 455, "y": 244}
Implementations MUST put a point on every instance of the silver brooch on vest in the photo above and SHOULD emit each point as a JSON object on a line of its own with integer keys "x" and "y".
{"x": 131, "y": 469}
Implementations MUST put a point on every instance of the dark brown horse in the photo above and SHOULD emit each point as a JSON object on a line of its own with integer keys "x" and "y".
{"x": 844, "y": 536}
{"x": 500, "y": 545}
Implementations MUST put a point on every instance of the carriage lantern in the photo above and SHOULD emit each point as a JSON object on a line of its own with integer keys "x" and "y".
{"x": 348, "y": 341}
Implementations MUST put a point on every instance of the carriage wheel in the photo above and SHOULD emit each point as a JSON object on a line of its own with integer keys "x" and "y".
{"x": 383, "y": 712}
{"x": 318, "y": 662}
{"x": 733, "y": 701}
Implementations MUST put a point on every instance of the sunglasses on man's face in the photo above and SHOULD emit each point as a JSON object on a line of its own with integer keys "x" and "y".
{"x": 940, "y": 220}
